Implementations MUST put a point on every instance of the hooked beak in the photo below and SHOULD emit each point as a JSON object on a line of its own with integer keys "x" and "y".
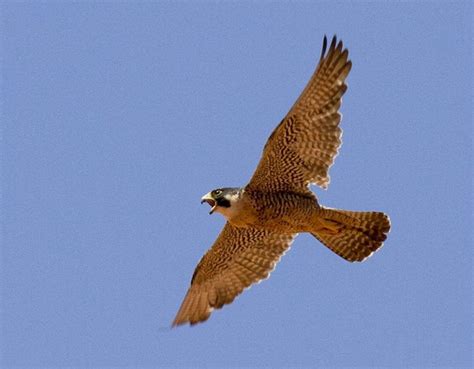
{"x": 210, "y": 200}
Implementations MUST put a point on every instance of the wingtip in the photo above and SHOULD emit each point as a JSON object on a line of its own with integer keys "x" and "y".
{"x": 176, "y": 323}
{"x": 334, "y": 45}
{"x": 323, "y": 50}
{"x": 333, "y": 42}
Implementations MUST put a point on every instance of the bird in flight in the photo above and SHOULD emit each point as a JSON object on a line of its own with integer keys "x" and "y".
{"x": 265, "y": 216}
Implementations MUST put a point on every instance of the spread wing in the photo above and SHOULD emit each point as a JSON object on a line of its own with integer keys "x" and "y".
{"x": 303, "y": 146}
{"x": 238, "y": 258}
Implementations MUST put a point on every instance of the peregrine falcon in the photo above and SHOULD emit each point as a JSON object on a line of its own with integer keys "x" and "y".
{"x": 265, "y": 216}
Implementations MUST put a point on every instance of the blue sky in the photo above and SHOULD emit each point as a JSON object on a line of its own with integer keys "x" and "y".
{"x": 118, "y": 117}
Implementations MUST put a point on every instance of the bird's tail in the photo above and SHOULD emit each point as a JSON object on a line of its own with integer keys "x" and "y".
{"x": 353, "y": 235}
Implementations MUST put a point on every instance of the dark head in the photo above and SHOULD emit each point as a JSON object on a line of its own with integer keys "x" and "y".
{"x": 221, "y": 199}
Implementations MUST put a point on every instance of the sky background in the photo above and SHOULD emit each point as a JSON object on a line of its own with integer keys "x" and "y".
{"x": 118, "y": 117}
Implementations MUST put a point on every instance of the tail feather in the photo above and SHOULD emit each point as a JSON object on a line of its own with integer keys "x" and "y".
{"x": 353, "y": 235}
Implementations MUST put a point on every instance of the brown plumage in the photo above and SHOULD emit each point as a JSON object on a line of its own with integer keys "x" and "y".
{"x": 238, "y": 258}
{"x": 265, "y": 216}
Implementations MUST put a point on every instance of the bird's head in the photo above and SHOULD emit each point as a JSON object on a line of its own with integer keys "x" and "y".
{"x": 222, "y": 199}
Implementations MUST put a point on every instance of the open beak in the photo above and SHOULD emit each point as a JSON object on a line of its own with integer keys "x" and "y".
{"x": 210, "y": 200}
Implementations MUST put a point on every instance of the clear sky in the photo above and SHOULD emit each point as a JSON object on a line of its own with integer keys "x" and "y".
{"x": 118, "y": 117}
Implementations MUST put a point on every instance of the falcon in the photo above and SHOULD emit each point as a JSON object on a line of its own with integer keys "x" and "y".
{"x": 265, "y": 216}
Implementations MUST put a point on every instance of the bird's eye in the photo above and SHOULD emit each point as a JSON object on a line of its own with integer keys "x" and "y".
{"x": 217, "y": 192}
